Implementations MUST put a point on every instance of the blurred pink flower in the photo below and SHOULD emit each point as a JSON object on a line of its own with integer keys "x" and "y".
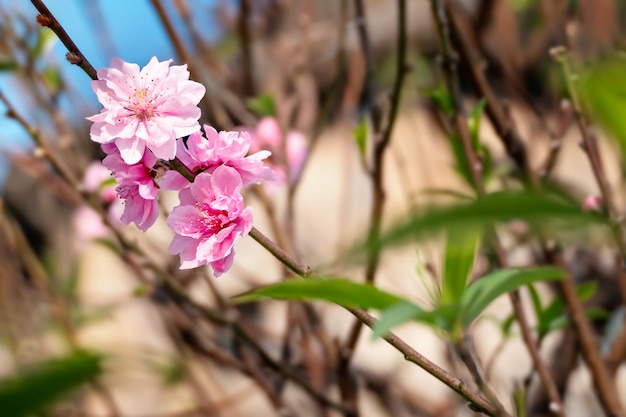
{"x": 94, "y": 179}
{"x": 207, "y": 153}
{"x": 87, "y": 222}
{"x": 136, "y": 187}
{"x": 210, "y": 218}
{"x": 143, "y": 108}
{"x": 269, "y": 135}
{"x": 593, "y": 203}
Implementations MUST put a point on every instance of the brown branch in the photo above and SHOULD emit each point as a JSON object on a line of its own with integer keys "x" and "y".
{"x": 361, "y": 25}
{"x": 245, "y": 39}
{"x": 603, "y": 385}
{"x": 378, "y": 191}
{"x": 515, "y": 147}
{"x": 75, "y": 56}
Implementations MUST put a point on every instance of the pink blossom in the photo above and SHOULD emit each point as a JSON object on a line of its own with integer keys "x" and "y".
{"x": 210, "y": 218}
{"x": 593, "y": 203}
{"x": 136, "y": 186}
{"x": 95, "y": 178}
{"x": 143, "y": 108}
{"x": 269, "y": 135}
{"x": 87, "y": 222}
{"x": 206, "y": 153}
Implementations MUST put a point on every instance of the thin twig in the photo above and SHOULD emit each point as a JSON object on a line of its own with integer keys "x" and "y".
{"x": 377, "y": 170}
{"x": 47, "y": 19}
{"x": 361, "y": 25}
{"x": 245, "y": 39}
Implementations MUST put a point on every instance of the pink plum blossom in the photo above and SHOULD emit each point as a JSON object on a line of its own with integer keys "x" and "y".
{"x": 210, "y": 218}
{"x": 87, "y": 222}
{"x": 593, "y": 203}
{"x": 269, "y": 135}
{"x": 207, "y": 152}
{"x": 136, "y": 186}
{"x": 147, "y": 108}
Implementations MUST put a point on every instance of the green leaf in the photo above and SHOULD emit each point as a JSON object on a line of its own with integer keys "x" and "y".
{"x": 562, "y": 321}
{"x": 109, "y": 182}
{"x": 262, "y": 105}
{"x": 8, "y": 65}
{"x": 360, "y": 135}
{"x": 442, "y": 318}
{"x": 534, "y": 296}
{"x": 335, "y": 290}
{"x": 441, "y": 98}
{"x": 141, "y": 290}
{"x": 604, "y": 90}
{"x": 485, "y": 290}
{"x": 474, "y": 124}
{"x": 507, "y": 325}
{"x": 30, "y": 392}
{"x": 457, "y": 265}
{"x": 461, "y": 166}
{"x": 52, "y": 77}
{"x": 586, "y": 290}
{"x": 556, "y": 308}
{"x": 396, "y": 315}
{"x": 531, "y": 207}
{"x": 45, "y": 39}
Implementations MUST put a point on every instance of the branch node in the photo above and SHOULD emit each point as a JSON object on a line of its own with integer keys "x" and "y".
{"x": 44, "y": 20}
{"x": 73, "y": 58}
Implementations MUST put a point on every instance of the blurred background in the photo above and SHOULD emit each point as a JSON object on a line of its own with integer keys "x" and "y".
{"x": 303, "y": 67}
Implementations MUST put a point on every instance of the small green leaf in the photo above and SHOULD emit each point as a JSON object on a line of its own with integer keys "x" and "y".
{"x": 556, "y": 308}
{"x": 485, "y": 290}
{"x": 562, "y": 321}
{"x": 604, "y": 90}
{"x": 107, "y": 183}
{"x": 141, "y": 290}
{"x": 8, "y": 65}
{"x": 360, "y": 135}
{"x": 586, "y": 290}
{"x": 534, "y": 296}
{"x": 45, "y": 39}
{"x": 335, "y": 290}
{"x": 461, "y": 166}
{"x": 441, "y": 98}
{"x": 262, "y": 105}
{"x": 30, "y": 392}
{"x": 474, "y": 124}
{"x": 52, "y": 77}
{"x": 507, "y": 325}
{"x": 457, "y": 266}
{"x": 396, "y": 315}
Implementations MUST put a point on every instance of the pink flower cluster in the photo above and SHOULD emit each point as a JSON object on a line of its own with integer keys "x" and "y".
{"x": 152, "y": 114}
{"x": 293, "y": 145}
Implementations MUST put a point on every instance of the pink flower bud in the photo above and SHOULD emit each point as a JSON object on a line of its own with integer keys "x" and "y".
{"x": 593, "y": 203}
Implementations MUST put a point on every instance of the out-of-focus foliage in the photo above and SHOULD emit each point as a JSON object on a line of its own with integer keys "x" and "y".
{"x": 29, "y": 392}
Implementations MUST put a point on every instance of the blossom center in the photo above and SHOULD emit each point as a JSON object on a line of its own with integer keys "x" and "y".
{"x": 127, "y": 191}
{"x": 212, "y": 220}
{"x": 142, "y": 109}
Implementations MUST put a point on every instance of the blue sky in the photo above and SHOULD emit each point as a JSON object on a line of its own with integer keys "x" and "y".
{"x": 136, "y": 36}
